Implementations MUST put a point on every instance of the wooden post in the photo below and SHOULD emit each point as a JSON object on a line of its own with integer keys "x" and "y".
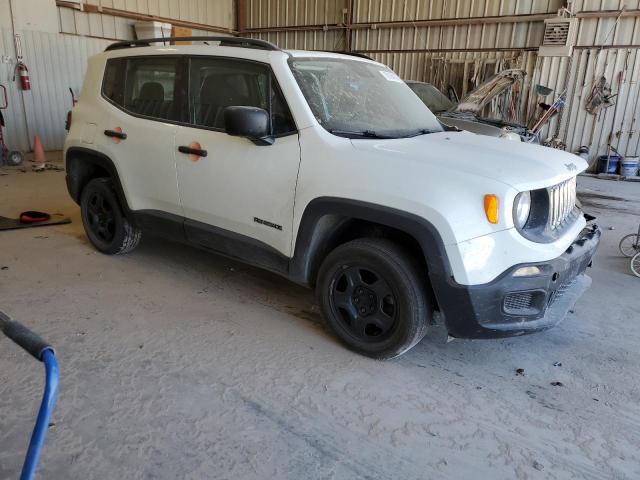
{"x": 347, "y": 30}
{"x": 241, "y": 16}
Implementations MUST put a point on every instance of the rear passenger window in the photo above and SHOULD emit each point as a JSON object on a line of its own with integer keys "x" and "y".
{"x": 219, "y": 83}
{"x": 150, "y": 87}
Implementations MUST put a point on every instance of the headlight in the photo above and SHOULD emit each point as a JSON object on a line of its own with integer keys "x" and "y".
{"x": 521, "y": 209}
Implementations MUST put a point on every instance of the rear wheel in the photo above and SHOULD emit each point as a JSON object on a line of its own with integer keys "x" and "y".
{"x": 106, "y": 226}
{"x": 630, "y": 245}
{"x": 373, "y": 297}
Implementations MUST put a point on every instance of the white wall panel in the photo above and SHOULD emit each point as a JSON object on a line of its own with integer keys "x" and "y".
{"x": 56, "y": 63}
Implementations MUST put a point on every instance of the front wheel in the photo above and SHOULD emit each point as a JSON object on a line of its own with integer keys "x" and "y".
{"x": 106, "y": 226}
{"x": 630, "y": 245}
{"x": 373, "y": 296}
{"x": 635, "y": 264}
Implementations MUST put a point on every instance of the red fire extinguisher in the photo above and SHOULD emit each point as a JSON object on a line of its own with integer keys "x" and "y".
{"x": 23, "y": 74}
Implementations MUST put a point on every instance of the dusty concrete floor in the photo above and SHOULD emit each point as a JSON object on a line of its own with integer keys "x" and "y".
{"x": 179, "y": 364}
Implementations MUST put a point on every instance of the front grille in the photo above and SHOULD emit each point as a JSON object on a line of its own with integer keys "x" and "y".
{"x": 562, "y": 200}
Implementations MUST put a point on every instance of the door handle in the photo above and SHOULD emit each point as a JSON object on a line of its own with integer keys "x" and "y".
{"x": 192, "y": 151}
{"x": 115, "y": 134}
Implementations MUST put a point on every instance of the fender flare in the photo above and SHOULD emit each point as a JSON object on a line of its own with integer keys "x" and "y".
{"x": 79, "y": 163}
{"x": 324, "y": 216}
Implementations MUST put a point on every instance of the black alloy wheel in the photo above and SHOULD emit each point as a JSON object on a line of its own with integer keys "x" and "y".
{"x": 364, "y": 302}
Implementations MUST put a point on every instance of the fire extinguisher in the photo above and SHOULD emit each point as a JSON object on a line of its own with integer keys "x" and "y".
{"x": 23, "y": 74}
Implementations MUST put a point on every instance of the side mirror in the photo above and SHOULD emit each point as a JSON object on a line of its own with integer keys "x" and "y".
{"x": 248, "y": 122}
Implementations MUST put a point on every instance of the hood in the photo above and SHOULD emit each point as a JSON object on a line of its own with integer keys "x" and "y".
{"x": 476, "y": 100}
{"x": 520, "y": 165}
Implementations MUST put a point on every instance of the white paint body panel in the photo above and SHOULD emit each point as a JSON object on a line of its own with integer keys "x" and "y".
{"x": 238, "y": 181}
{"x": 440, "y": 177}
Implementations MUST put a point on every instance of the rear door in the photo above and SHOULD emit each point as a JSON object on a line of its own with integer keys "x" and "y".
{"x": 146, "y": 98}
{"x": 245, "y": 191}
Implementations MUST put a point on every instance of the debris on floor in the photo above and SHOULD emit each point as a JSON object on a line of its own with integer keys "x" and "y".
{"x": 26, "y": 221}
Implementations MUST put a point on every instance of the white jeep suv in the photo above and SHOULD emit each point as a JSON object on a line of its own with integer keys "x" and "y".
{"x": 327, "y": 169}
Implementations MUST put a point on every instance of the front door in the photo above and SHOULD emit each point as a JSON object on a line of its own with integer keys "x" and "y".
{"x": 240, "y": 195}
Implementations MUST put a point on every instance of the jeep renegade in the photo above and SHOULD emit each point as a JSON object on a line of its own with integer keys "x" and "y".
{"x": 328, "y": 169}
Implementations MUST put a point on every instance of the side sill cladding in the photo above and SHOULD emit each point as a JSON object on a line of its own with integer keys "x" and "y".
{"x": 83, "y": 164}
{"x": 322, "y": 221}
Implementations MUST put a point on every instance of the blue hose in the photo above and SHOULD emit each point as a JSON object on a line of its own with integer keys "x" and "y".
{"x": 46, "y": 409}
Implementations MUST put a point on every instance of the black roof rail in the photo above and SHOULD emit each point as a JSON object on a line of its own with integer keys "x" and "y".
{"x": 224, "y": 42}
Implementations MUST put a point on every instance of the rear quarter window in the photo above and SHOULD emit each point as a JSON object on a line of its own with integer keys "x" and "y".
{"x": 113, "y": 81}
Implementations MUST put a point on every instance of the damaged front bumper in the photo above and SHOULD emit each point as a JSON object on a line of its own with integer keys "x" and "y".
{"x": 516, "y": 305}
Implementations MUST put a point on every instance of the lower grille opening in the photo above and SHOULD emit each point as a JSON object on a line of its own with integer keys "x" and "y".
{"x": 523, "y": 303}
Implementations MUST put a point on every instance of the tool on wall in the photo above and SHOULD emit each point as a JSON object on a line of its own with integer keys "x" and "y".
{"x": 7, "y": 157}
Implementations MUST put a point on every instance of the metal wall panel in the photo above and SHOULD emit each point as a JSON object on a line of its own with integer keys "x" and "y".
{"x": 219, "y": 13}
{"x": 56, "y": 63}
{"x": 463, "y": 55}
{"x": 280, "y": 13}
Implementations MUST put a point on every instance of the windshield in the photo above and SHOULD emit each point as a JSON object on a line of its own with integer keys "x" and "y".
{"x": 361, "y": 100}
{"x": 431, "y": 96}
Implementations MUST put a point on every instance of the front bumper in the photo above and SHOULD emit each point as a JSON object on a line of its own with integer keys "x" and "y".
{"x": 511, "y": 305}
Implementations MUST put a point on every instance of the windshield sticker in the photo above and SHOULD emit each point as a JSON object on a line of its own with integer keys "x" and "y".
{"x": 391, "y": 76}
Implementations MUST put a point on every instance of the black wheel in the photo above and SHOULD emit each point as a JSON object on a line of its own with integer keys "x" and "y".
{"x": 374, "y": 297}
{"x": 630, "y": 245}
{"x": 107, "y": 228}
{"x": 14, "y": 158}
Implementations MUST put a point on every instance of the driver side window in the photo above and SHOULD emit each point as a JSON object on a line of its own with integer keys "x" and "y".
{"x": 217, "y": 83}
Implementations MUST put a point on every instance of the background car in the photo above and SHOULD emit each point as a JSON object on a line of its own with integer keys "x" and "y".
{"x": 468, "y": 113}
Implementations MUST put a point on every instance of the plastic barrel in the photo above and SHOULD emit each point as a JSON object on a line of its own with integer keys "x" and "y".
{"x": 613, "y": 163}
{"x": 629, "y": 166}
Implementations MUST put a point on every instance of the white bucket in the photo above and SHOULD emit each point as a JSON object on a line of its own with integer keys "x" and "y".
{"x": 629, "y": 166}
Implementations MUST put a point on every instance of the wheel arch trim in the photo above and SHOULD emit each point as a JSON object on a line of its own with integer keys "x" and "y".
{"x": 77, "y": 159}
{"x": 324, "y": 216}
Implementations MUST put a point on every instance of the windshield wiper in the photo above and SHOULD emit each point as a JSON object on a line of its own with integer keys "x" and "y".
{"x": 363, "y": 133}
{"x": 421, "y": 131}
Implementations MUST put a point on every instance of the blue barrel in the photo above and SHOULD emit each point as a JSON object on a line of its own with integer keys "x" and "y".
{"x": 613, "y": 163}
{"x": 629, "y": 166}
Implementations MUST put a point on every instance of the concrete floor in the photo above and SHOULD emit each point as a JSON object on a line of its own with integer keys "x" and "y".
{"x": 176, "y": 363}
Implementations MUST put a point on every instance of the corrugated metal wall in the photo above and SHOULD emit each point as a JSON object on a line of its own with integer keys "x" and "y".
{"x": 57, "y": 61}
{"x": 423, "y": 44}
{"x": 219, "y": 13}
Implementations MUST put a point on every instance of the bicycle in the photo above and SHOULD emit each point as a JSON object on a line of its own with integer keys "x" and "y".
{"x": 630, "y": 244}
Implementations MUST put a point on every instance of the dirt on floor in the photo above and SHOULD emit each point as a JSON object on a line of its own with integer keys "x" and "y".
{"x": 176, "y": 363}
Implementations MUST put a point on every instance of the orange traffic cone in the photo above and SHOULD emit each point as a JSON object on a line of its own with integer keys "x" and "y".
{"x": 38, "y": 154}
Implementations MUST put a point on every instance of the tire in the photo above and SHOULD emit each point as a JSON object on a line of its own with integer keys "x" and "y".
{"x": 373, "y": 297}
{"x": 105, "y": 224}
{"x": 14, "y": 158}
{"x": 630, "y": 245}
{"x": 635, "y": 265}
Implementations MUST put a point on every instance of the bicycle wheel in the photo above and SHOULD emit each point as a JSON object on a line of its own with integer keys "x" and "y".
{"x": 630, "y": 245}
{"x": 635, "y": 264}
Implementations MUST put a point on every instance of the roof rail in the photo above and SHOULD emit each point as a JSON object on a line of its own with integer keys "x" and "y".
{"x": 224, "y": 42}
